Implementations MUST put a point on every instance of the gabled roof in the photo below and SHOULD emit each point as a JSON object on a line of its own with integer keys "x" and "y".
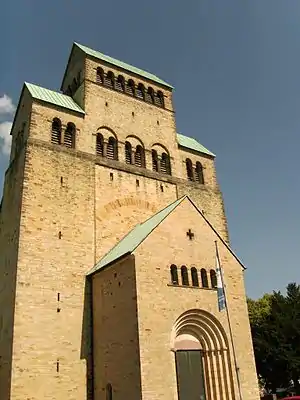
{"x": 135, "y": 237}
{"x": 141, "y": 231}
{"x": 56, "y": 98}
{"x": 191, "y": 143}
{"x": 121, "y": 64}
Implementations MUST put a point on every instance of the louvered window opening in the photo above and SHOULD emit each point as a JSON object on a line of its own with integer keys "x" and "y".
{"x": 154, "y": 161}
{"x": 165, "y": 164}
{"x": 99, "y": 77}
{"x": 138, "y": 159}
{"x": 69, "y": 138}
{"x": 108, "y": 81}
{"x": 130, "y": 88}
{"x": 148, "y": 98}
{"x": 56, "y": 136}
{"x": 111, "y": 150}
{"x": 128, "y": 155}
{"x": 119, "y": 86}
{"x": 189, "y": 169}
{"x": 99, "y": 146}
{"x": 157, "y": 101}
{"x": 139, "y": 94}
{"x": 199, "y": 173}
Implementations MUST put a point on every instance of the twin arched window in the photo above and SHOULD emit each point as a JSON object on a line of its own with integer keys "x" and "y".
{"x": 194, "y": 174}
{"x": 161, "y": 164}
{"x": 66, "y": 137}
{"x": 106, "y": 146}
{"x": 194, "y": 275}
{"x": 136, "y": 157}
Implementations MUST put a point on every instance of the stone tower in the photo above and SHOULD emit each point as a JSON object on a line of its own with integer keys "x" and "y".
{"x": 108, "y": 226}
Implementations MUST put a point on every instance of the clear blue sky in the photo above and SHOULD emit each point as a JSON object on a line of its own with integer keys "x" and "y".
{"x": 235, "y": 66}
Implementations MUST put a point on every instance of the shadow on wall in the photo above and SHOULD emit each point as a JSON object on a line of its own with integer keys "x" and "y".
{"x": 86, "y": 351}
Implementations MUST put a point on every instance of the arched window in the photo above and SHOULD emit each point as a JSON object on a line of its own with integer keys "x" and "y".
{"x": 120, "y": 83}
{"x": 194, "y": 273}
{"x": 149, "y": 95}
{"x": 204, "y": 279}
{"x": 159, "y": 99}
{"x": 174, "y": 274}
{"x": 100, "y": 75}
{"x": 154, "y": 160}
{"x": 112, "y": 148}
{"x": 128, "y": 153}
{"x": 100, "y": 145}
{"x": 109, "y": 79}
{"x": 199, "y": 172}
{"x": 69, "y": 138}
{"x": 184, "y": 276}
{"x": 109, "y": 392}
{"x": 139, "y": 156}
{"x": 56, "y": 131}
{"x": 189, "y": 169}
{"x": 130, "y": 87}
{"x": 165, "y": 165}
{"x": 213, "y": 278}
{"x": 140, "y": 91}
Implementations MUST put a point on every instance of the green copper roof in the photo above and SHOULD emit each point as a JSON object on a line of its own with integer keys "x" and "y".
{"x": 135, "y": 237}
{"x": 117, "y": 63}
{"x": 49, "y": 96}
{"x": 191, "y": 143}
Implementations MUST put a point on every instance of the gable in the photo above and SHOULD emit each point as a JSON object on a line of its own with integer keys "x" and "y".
{"x": 191, "y": 216}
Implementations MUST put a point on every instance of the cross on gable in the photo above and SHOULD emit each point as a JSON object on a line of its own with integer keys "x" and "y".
{"x": 190, "y": 234}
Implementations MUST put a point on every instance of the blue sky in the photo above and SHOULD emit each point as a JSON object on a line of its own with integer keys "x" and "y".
{"x": 235, "y": 66}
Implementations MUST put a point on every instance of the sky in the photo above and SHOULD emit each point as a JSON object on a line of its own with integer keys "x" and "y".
{"x": 235, "y": 66}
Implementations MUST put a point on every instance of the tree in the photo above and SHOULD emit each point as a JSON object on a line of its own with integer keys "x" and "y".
{"x": 275, "y": 326}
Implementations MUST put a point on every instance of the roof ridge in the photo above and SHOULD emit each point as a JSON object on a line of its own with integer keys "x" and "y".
{"x": 121, "y": 64}
{"x": 191, "y": 143}
{"x": 53, "y": 97}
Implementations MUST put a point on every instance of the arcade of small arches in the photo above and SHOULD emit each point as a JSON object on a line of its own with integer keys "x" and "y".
{"x": 191, "y": 277}
{"x": 129, "y": 87}
{"x": 134, "y": 151}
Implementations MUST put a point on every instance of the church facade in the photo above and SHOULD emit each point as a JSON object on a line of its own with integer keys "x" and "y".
{"x": 109, "y": 226}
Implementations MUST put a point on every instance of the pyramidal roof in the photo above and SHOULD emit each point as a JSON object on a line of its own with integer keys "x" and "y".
{"x": 141, "y": 231}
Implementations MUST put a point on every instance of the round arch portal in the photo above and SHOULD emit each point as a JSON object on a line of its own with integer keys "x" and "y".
{"x": 197, "y": 331}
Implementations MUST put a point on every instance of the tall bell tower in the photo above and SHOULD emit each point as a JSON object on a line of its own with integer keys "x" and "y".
{"x": 87, "y": 165}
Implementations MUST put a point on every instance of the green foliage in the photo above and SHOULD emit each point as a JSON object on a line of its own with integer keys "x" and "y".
{"x": 275, "y": 326}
